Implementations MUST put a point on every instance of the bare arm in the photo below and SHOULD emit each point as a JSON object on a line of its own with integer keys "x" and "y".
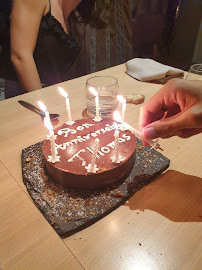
{"x": 25, "y": 21}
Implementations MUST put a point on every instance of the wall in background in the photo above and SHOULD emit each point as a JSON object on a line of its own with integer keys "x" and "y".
{"x": 186, "y": 30}
{"x": 197, "y": 58}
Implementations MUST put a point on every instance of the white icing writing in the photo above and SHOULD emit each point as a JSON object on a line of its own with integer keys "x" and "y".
{"x": 112, "y": 145}
{"x": 104, "y": 150}
{"x": 66, "y": 131}
{"x": 63, "y": 146}
{"x": 126, "y": 137}
{"x": 91, "y": 151}
{"x": 80, "y": 139}
{"x": 79, "y": 157}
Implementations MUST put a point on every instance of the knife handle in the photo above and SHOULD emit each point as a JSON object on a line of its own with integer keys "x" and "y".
{"x": 30, "y": 106}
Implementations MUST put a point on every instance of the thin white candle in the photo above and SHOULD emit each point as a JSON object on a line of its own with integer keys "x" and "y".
{"x": 137, "y": 133}
{"x": 62, "y": 92}
{"x": 118, "y": 118}
{"x": 43, "y": 108}
{"x": 53, "y": 157}
{"x": 123, "y": 102}
{"x": 52, "y": 140}
{"x": 92, "y": 168}
{"x": 116, "y": 135}
{"x": 68, "y": 110}
{"x": 95, "y": 148}
{"x": 97, "y": 107}
{"x": 94, "y": 92}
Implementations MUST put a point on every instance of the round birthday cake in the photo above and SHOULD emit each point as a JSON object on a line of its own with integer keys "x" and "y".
{"x": 75, "y": 147}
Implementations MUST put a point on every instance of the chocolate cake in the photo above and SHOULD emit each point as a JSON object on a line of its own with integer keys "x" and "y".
{"x": 74, "y": 147}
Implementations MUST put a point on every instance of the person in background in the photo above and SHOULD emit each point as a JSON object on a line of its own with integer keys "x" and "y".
{"x": 106, "y": 39}
{"x": 102, "y": 32}
{"x": 41, "y": 47}
{"x": 175, "y": 110}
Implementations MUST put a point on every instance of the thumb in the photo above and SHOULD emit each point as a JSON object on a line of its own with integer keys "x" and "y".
{"x": 169, "y": 127}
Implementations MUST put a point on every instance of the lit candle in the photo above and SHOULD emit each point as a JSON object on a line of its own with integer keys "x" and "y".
{"x": 94, "y": 92}
{"x": 95, "y": 148}
{"x": 43, "y": 108}
{"x": 118, "y": 118}
{"x": 62, "y": 91}
{"x": 137, "y": 133}
{"x": 53, "y": 158}
{"x": 116, "y": 135}
{"x": 92, "y": 166}
{"x": 123, "y": 102}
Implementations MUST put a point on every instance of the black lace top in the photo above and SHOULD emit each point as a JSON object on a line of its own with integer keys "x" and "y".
{"x": 54, "y": 53}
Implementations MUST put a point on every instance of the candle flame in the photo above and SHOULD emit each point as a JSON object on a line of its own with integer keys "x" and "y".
{"x": 42, "y": 106}
{"x": 121, "y": 99}
{"x": 62, "y": 92}
{"x": 48, "y": 123}
{"x": 117, "y": 116}
{"x": 93, "y": 91}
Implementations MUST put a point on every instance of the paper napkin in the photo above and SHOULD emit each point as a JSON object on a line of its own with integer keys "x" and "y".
{"x": 145, "y": 69}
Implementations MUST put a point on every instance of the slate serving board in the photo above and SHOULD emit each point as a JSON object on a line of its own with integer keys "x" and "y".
{"x": 68, "y": 210}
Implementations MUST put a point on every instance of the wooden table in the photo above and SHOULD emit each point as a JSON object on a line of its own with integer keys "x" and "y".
{"x": 158, "y": 228}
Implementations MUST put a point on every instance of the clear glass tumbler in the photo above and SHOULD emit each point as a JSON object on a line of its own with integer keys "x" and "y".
{"x": 107, "y": 89}
{"x": 195, "y": 72}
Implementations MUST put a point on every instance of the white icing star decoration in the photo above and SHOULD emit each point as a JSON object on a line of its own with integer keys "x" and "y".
{"x": 89, "y": 169}
{"x": 50, "y": 159}
{"x": 119, "y": 160}
{"x": 48, "y": 137}
{"x": 70, "y": 123}
{"x": 97, "y": 120}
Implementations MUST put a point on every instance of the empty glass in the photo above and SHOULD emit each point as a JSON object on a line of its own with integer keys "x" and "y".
{"x": 107, "y": 90}
{"x": 195, "y": 72}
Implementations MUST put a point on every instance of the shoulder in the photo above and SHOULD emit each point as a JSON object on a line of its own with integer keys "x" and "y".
{"x": 38, "y": 6}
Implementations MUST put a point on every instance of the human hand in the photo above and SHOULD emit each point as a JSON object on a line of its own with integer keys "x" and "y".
{"x": 175, "y": 110}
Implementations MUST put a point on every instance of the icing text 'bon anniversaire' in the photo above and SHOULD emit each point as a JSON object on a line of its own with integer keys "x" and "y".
{"x": 80, "y": 139}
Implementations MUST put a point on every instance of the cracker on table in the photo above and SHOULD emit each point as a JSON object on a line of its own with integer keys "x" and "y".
{"x": 134, "y": 98}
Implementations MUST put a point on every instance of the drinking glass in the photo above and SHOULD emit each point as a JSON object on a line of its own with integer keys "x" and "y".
{"x": 195, "y": 72}
{"x": 107, "y": 89}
